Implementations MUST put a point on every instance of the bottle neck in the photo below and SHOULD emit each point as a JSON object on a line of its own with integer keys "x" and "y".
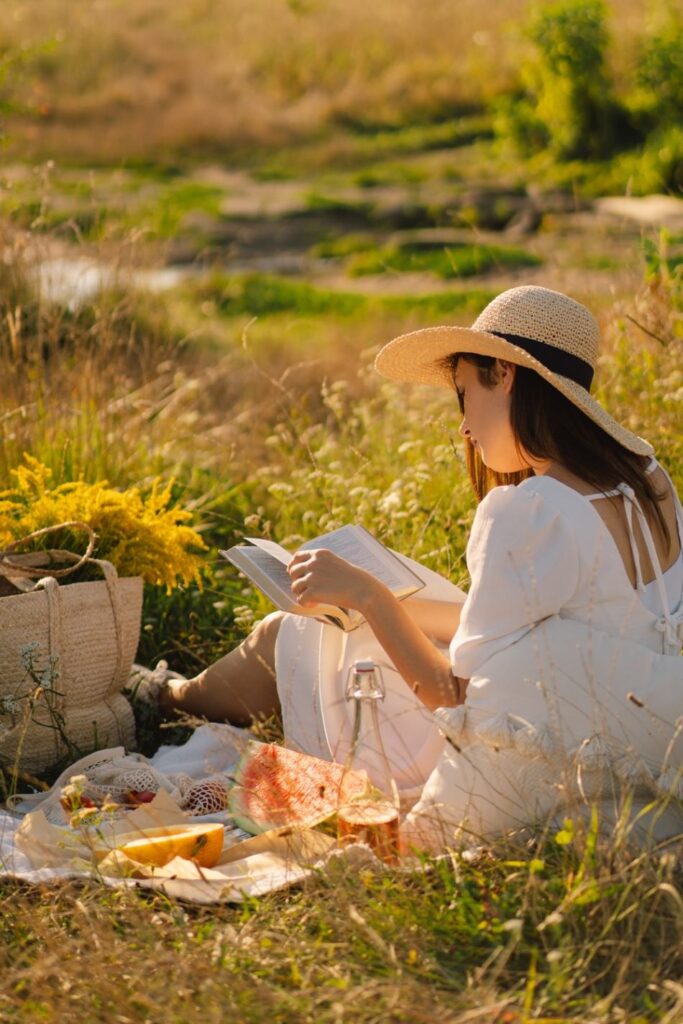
{"x": 365, "y": 723}
{"x": 366, "y": 751}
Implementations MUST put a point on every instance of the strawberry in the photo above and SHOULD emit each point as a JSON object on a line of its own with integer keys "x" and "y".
{"x": 139, "y": 796}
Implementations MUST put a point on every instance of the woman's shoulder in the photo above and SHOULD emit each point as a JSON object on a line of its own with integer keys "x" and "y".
{"x": 533, "y": 514}
{"x": 556, "y": 493}
{"x": 542, "y": 495}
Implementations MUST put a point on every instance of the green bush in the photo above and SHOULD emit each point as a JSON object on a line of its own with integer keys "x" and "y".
{"x": 661, "y": 162}
{"x": 660, "y": 74}
{"x": 567, "y": 104}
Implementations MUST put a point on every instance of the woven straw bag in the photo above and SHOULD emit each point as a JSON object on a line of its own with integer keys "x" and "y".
{"x": 65, "y": 655}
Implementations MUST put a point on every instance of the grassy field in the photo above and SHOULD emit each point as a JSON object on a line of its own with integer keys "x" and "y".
{"x": 292, "y": 84}
{"x": 319, "y": 177}
{"x": 217, "y": 76}
{"x": 565, "y": 928}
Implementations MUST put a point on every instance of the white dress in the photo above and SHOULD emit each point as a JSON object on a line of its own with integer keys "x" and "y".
{"x": 575, "y": 676}
{"x": 312, "y": 661}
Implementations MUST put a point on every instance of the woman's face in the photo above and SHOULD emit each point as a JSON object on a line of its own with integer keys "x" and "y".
{"x": 486, "y": 416}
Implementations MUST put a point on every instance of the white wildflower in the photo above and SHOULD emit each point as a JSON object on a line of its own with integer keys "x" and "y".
{"x": 280, "y": 489}
{"x": 390, "y": 502}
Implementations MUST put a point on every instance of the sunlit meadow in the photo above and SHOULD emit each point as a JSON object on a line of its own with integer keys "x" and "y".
{"x": 249, "y": 390}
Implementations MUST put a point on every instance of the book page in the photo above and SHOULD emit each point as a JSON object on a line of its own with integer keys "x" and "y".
{"x": 273, "y": 549}
{"x": 271, "y": 566}
{"x": 359, "y": 547}
{"x": 271, "y": 576}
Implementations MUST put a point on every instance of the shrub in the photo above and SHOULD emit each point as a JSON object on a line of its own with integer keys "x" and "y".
{"x": 567, "y": 103}
{"x": 661, "y": 162}
{"x": 660, "y": 74}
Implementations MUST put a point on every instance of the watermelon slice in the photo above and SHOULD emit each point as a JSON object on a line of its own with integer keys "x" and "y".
{"x": 277, "y": 786}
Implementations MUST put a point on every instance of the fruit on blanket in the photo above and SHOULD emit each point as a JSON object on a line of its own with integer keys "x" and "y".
{"x": 140, "y": 796}
{"x": 277, "y": 786}
{"x": 200, "y": 843}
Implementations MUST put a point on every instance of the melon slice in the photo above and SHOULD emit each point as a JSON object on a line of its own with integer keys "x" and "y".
{"x": 277, "y": 786}
{"x": 201, "y": 843}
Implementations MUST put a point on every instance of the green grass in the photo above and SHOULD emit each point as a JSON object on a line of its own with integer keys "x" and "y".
{"x": 342, "y": 246}
{"x": 265, "y": 295}
{"x": 446, "y": 304}
{"x": 447, "y": 262}
{"x": 331, "y": 204}
{"x": 371, "y": 142}
{"x": 93, "y": 205}
{"x": 664, "y": 255}
{"x": 165, "y": 214}
{"x": 390, "y": 173}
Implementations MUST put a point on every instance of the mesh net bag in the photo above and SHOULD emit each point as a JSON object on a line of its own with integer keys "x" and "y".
{"x": 207, "y": 796}
{"x": 198, "y": 776}
{"x": 116, "y": 780}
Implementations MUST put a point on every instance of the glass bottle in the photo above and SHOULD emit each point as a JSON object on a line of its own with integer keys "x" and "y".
{"x": 373, "y": 816}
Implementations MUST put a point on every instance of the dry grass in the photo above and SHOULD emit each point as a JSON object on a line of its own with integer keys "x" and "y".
{"x": 570, "y": 934}
{"x": 105, "y": 80}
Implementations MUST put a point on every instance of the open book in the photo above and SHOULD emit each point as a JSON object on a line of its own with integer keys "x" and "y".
{"x": 265, "y": 563}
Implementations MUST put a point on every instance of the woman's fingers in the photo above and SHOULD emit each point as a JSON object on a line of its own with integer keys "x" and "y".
{"x": 307, "y": 561}
{"x": 319, "y": 575}
{"x": 298, "y": 563}
{"x": 299, "y": 568}
{"x": 300, "y": 591}
{"x": 300, "y": 584}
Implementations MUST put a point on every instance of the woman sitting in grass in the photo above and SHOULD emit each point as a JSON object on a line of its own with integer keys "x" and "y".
{"x": 557, "y": 678}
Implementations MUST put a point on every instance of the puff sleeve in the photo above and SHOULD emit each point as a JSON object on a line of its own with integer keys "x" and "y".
{"x": 523, "y": 561}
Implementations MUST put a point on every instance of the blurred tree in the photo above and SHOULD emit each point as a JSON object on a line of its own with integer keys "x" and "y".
{"x": 567, "y": 103}
{"x": 660, "y": 74}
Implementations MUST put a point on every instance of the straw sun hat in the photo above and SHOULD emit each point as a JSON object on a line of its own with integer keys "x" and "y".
{"x": 531, "y": 326}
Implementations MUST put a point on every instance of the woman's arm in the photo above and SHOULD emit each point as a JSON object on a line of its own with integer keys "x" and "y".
{"x": 321, "y": 576}
{"x": 437, "y": 619}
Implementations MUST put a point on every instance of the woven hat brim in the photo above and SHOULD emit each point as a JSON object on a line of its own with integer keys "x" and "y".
{"x": 417, "y": 356}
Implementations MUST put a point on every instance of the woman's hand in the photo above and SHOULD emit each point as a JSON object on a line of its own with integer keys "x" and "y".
{"x": 321, "y": 577}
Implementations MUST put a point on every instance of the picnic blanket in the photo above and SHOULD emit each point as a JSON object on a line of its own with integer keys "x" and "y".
{"x": 38, "y": 844}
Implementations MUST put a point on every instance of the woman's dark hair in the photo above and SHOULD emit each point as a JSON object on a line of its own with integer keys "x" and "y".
{"x": 548, "y": 426}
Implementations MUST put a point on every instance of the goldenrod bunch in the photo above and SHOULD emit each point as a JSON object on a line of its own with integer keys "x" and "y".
{"x": 139, "y": 534}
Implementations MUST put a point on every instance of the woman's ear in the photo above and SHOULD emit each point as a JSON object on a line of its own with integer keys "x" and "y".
{"x": 506, "y": 375}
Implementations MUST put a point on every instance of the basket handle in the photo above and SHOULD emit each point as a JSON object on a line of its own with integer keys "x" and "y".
{"x": 10, "y": 568}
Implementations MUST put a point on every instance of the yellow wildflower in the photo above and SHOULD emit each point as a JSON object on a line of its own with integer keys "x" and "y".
{"x": 141, "y": 534}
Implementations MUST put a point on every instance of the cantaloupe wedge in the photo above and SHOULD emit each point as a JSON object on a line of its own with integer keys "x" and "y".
{"x": 200, "y": 843}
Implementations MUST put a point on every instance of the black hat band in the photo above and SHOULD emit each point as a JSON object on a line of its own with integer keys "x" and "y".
{"x": 554, "y": 359}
